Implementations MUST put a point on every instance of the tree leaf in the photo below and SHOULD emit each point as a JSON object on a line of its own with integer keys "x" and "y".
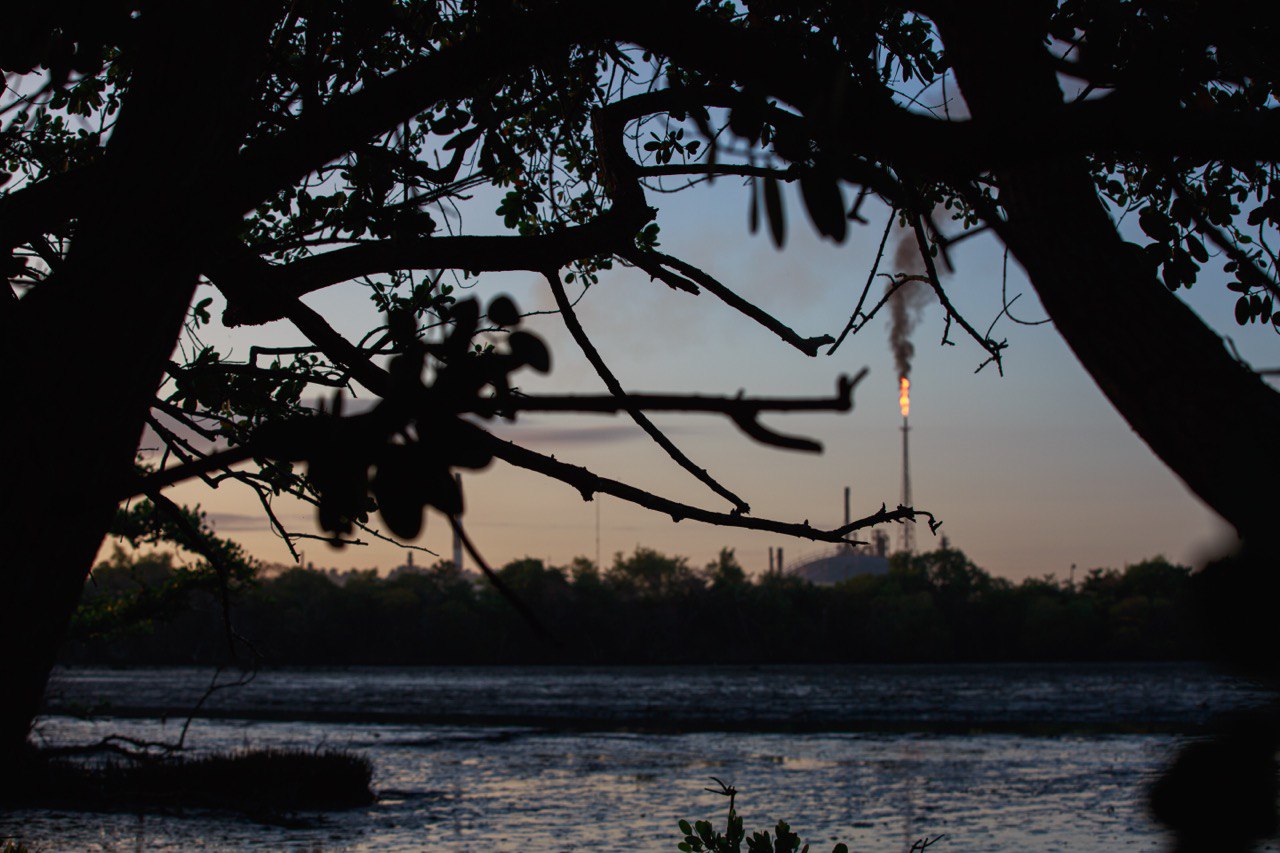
{"x": 821, "y": 192}
{"x": 1242, "y": 310}
{"x": 503, "y": 311}
{"x": 1196, "y": 248}
{"x": 529, "y": 349}
{"x": 754, "y": 217}
{"x": 773, "y": 208}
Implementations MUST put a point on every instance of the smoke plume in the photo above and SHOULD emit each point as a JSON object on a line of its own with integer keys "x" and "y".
{"x": 908, "y": 301}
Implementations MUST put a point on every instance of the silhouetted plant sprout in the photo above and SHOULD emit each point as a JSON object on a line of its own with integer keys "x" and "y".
{"x": 702, "y": 835}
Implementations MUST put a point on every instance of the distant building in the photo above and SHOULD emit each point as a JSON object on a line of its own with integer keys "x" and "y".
{"x": 844, "y": 562}
{"x": 407, "y": 569}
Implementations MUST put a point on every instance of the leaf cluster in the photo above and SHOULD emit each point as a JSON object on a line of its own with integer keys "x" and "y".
{"x": 701, "y": 835}
{"x": 398, "y": 458}
{"x": 130, "y": 593}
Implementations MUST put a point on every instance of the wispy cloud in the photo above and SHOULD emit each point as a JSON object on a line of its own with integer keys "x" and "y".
{"x": 238, "y": 522}
{"x": 536, "y": 433}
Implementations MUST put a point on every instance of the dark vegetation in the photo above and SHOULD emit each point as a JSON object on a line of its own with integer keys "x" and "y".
{"x": 645, "y": 608}
{"x": 262, "y": 783}
{"x": 702, "y": 836}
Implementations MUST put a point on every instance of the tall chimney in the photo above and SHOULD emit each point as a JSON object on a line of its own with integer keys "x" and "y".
{"x": 908, "y": 528}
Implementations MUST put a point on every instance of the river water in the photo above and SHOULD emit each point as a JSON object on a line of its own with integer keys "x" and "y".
{"x": 993, "y": 757}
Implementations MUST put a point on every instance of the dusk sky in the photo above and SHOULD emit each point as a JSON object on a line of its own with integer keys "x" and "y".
{"x": 1030, "y": 472}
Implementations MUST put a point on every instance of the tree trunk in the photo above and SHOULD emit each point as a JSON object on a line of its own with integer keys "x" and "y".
{"x": 1207, "y": 417}
{"x": 85, "y": 351}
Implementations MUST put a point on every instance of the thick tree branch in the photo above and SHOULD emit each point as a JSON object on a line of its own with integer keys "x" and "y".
{"x": 745, "y": 170}
{"x": 46, "y": 205}
{"x": 845, "y": 114}
{"x": 455, "y": 72}
{"x": 259, "y": 292}
{"x": 1166, "y": 373}
{"x": 338, "y": 348}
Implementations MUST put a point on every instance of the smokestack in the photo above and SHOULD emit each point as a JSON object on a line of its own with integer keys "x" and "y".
{"x": 908, "y": 527}
{"x": 905, "y": 307}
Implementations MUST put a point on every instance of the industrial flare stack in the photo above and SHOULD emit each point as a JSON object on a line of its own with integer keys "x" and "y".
{"x": 904, "y": 402}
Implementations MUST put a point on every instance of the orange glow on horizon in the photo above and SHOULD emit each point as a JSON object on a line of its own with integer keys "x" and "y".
{"x": 904, "y": 395}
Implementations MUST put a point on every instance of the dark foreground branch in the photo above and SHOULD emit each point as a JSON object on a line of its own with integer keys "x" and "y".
{"x": 743, "y": 411}
{"x": 589, "y": 484}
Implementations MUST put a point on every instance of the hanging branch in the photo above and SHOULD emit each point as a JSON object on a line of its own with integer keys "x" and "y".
{"x": 926, "y": 254}
{"x": 866, "y": 289}
{"x": 611, "y": 382}
{"x": 653, "y": 263}
{"x": 196, "y": 541}
{"x": 505, "y": 591}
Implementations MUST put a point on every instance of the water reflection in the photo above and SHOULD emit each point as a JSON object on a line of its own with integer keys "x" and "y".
{"x": 525, "y": 789}
{"x": 585, "y": 781}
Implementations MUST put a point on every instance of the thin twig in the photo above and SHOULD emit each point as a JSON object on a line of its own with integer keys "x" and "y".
{"x": 993, "y": 348}
{"x": 871, "y": 276}
{"x": 197, "y": 542}
{"x": 500, "y": 586}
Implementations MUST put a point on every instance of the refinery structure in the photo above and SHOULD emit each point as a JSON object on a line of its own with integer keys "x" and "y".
{"x": 904, "y": 403}
{"x": 838, "y": 564}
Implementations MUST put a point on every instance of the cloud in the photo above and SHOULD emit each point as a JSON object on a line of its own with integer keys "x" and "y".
{"x": 532, "y": 433}
{"x": 239, "y": 522}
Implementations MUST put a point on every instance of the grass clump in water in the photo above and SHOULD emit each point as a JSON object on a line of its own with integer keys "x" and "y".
{"x": 254, "y": 781}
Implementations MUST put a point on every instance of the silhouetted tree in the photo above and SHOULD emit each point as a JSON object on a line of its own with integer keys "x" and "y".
{"x": 277, "y": 149}
{"x": 649, "y": 608}
{"x": 725, "y": 572}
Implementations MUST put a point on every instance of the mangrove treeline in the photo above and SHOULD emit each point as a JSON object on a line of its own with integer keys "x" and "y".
{"x": 645, "y": 608}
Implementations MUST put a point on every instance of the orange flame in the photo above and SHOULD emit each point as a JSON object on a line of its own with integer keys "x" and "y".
{"x": 904, "y": 395}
